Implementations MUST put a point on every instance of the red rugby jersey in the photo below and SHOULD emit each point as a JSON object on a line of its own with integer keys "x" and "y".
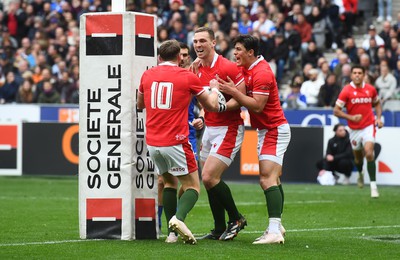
{"x": 223, "y": 68}
{"x": 167, "y": 91}
{"x": 359, "y": 101}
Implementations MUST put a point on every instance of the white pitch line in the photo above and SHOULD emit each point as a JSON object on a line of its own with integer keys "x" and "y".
{"x": 244, "y": 232}
{"x": 327, "y": 229}
{"x": 50, "y": 242}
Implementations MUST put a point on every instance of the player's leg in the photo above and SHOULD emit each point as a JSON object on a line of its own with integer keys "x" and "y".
{"x": 371, "y": 167}
{"x": 217, "y": 209}
{"x": 272, "y": 145}
{"x": 356, "y": 144}
{"x": 170, "y": 202}
{"x": 226, "y": 143}
{"x": 160, "y": 199}
{"x": 184, "y": 166}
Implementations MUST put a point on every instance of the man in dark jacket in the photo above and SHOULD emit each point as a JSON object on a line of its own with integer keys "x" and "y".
{"x": 339, "y": 155}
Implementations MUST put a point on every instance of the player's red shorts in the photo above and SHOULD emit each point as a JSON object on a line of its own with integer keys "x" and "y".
{"x": 177, "y": 160}
{"x": 272, "y": 143}
{"x": 222, "y": 142}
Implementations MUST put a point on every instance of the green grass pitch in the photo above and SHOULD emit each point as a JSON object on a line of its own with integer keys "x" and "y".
{"x": 39, "y": 220}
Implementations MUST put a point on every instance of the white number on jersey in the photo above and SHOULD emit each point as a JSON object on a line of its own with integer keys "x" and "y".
{"x": 161, "y": 95}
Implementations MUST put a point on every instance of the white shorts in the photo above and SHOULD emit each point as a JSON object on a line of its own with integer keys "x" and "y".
{"x": 272, "y": 143}
{"x": 177, "y": 160}
{"x": 222, "y": 142}
{"x": 358, "y": 137}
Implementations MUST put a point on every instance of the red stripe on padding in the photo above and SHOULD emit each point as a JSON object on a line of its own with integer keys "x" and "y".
{"x": 8, "y": 135}
{"x": 145, "y": 208}
{"x": 144, "y": 25}
{"x": 103, "y": 208}
{"x": 104, "y": 24}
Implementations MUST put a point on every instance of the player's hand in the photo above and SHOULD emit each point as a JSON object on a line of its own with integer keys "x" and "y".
{"x": 356, "y": 118}
{"x": 194, "y": 67}
{"x": 379, "y": 123}
{"x": 198, "y": 123}
{"x": 214, "y": 84}
{"x": 228, "y": 87}
{"x": 329, "y": 157}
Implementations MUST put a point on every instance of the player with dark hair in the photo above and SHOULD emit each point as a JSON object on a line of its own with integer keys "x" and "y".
{"x": 266, "y": 115}
{"x": 165, "y": 91}
{"x": 221, "y": 140}
{"x": 359, "y": 98}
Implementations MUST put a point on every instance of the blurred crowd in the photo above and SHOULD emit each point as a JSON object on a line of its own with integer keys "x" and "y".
{"x": 39, "y": 43}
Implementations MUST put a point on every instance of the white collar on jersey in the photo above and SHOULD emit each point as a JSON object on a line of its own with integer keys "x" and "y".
{"x": 167, "y": 63}
{"x": 354, "y": 86}
{"x": 260, "y": 58}
{"x": 214, "y": 60}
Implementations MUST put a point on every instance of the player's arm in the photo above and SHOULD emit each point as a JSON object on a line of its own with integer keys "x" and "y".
{"x": 232, "y": 104}
{"x": 209, "y": 99}
{"x": 140, "y": 101}
{"x": 378, "y": 112}
{"x": 337, "y": 111}
{"x": 255, "y": 103}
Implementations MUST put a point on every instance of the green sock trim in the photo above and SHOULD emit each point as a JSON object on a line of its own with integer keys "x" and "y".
{"x": 218, "y": 212}
{"x": 170, "y": 203}
{"x": 371, "y": 167}
{"x": 283, "y": 195}
{"x": 186, "y": 203}
{"x": 223, "y": 192}
{"x": 274, "y": 201}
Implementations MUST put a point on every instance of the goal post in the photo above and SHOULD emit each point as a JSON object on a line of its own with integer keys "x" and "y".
{"x": 117, "y": 178}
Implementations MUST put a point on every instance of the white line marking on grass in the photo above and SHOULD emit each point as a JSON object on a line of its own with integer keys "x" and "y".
{"x": 245, "y": 232}
{"x": 327, "y": 229}
{"x": 50, "y": 242}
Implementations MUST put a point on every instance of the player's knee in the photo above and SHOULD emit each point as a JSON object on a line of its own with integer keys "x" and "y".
{"x": 209, "y": 181}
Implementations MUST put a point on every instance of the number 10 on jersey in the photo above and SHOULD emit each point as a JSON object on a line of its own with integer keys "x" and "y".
{"x": 161, "y": 95}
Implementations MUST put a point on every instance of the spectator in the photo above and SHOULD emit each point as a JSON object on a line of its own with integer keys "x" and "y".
{"x": 386, "y": 83}
{"x": 14, "y": 19}
{"x": 311, "y": 87}
{"x": 278, "y": 54}
{"x": 393, "y": 53}
{"x": 224, "y": 19}
{"x": 381, "y": 11}
{"x": 318, "y": 23}
{"x": 49, "y": 95}
{"x": 8, "y": 91}
{"x": 305, "y": 31}
{"x": 265, "y": 26}
{"x": 372, "y": 34}
{"x": 328, "y": 92}
{"x": 349, "y": 16}
{"x": 370, "y": 69}
{"x": 397, "y": 74}
{"x": 344, "y": 78}
{"x": 385, "y": 33}
{"x": 351, "y": 50}
{"x": 311, "y": 55}
{"x": 25, "y": 92}
{"x": 293, "y": 41}
{"x": 343, "y": 59}
{"x": 178, "y": 31}
{"x": 333, "y": 24}
{"x": 295, "y": 99}
{"x": 339, "y": 155}
{"x": 245, "y": 24}
{"x": 162, "y": 35}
